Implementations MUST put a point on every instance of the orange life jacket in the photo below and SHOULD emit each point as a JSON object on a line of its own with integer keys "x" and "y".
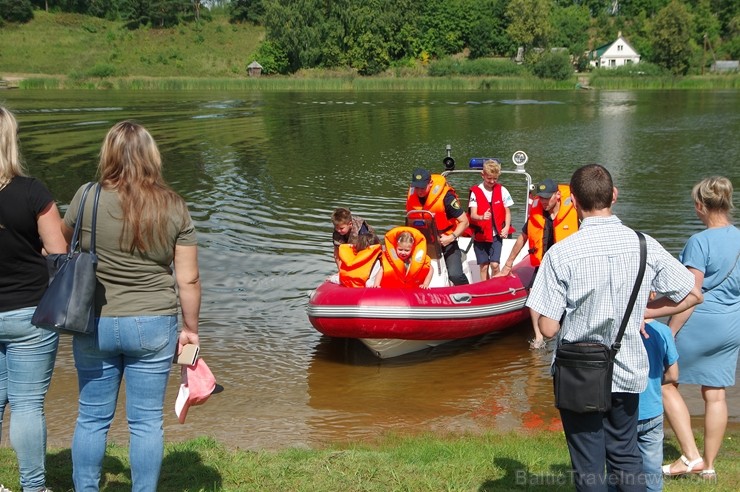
{"x": 355, "y": 266}
{"x": 564, "y": 224}
{"x": 394, "y": 268}
{"x": 434, "y": 203}
{"x": 483, "y": 229}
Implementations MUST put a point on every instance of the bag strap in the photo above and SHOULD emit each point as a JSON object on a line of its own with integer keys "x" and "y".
{"x": 76, "y": 235}
{"x": 93, "y": 227}
{"x": 726, "y": 276}
{"x": 635, "y": 290}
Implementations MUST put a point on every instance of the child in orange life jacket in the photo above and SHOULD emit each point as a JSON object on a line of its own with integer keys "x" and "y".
{"x": 490, "y": 218}
{"x": 360, "y": 262}
{"x": 405, "y": 262}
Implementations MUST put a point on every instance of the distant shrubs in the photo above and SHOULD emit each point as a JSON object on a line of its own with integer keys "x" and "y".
{"x": 478, "y": 67}
{"x": 553, "y": 65}
{"x": 556, "y": 66}
{"x": 101, "y": 70}
{"x": 641, "y": 69}
{"x": 16, "y": 10}
{"x": 272, "y": 58}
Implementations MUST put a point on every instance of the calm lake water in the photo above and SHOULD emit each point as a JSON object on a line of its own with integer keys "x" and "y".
{"x": 262, "y": 173}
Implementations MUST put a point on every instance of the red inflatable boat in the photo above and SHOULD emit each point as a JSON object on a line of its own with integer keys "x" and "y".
{"x": 395, "y": 321}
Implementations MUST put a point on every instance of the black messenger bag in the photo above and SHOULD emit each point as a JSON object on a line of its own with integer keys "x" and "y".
{"x": 582, "y": 371}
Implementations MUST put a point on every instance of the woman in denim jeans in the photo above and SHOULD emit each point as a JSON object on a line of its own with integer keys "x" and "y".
{"x": 29, "y": 222}
{"x": 143, "y": 228}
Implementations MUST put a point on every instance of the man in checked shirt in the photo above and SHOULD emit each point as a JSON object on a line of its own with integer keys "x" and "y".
{"x": 588, "y": 278}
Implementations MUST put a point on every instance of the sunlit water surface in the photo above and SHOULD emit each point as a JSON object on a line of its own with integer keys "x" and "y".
{"x": 262, "y": 173}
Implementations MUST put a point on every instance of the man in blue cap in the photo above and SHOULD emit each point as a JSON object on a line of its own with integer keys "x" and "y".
{"x": 432, "y": 193}
{"x": 552, "y": 218}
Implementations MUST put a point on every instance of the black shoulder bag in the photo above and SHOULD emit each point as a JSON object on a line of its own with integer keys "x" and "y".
{"x": 68, "y": 305}
{"x": 582, "y": 374}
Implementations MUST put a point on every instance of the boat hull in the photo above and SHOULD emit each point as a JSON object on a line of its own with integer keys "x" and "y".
{"x": 438, "y": 314}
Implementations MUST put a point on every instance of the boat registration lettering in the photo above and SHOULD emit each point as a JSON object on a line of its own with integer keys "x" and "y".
{"x": 430, "y": 298}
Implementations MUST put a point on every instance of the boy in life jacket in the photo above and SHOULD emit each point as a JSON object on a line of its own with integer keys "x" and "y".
{"x": 552, "y": 218}
{"x": 347, "y": 228}
{"x": 359, "y": 263}
{"x": 490, "y": 218}
{"x": 405, "y": 260}
{"x": 432, "y": 193}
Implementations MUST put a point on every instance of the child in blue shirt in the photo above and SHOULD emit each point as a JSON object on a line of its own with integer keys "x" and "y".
{"x": 662, "y": 354}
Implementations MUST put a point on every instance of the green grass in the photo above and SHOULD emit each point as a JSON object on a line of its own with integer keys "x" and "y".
{"x": 728, "y": 81}
{"x": 78, "y": 46}
{"x": 488, "y": 462}
{"x": 347, "y": 83}
{"x": 359, "y": 84}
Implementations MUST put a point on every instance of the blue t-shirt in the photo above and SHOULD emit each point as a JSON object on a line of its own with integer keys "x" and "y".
{"x": 715, "y": 253}
{"x": 661, "y": 351}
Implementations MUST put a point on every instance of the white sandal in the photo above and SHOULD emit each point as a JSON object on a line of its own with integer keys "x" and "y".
{"x": 709, "y": 474}
{"x": 689, "y": 467}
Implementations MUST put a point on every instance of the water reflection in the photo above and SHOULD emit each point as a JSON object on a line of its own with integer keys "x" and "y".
{"x": 262, "y": 172}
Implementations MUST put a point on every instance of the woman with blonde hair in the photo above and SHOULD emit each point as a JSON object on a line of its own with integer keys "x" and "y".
{"x": 143, "y": 228}
{"x": 29, "y": 224}
{"x": 707, "y": 336}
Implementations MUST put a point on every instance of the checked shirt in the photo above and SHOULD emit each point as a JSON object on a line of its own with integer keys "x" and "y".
{"x": 589, "y": 276}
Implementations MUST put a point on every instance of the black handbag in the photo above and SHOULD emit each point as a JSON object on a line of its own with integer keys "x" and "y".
{"x": 68, "y": 305}
{"x": 582, "y": 371}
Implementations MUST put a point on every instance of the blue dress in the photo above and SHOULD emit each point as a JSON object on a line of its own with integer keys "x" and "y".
{"x": 709, "y": 342}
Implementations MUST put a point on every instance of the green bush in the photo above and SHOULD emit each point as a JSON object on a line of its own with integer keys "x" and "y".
{"x": 556, "y": 66}
{"x": 641, "y": 69}
{"x": 272, "y": 58}
{"x": 101, "y": 70}
{"x": 495, "y": 67}
{"x": 16, "y": 10}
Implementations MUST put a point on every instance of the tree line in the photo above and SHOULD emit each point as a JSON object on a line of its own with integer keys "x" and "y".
{"x": 371, "y": 36}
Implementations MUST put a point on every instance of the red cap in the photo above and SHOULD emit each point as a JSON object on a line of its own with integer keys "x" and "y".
{"x": 197, "y": 384}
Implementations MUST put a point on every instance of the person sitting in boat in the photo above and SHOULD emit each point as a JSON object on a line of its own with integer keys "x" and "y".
{"x": 405, "y": 261}
{"x": 432, "y": 193}
{"x": 552, "y": 218}
{"x": 490, "y": 218}
{"x": 359, "y": 262}
{"x": 347, "y": 228}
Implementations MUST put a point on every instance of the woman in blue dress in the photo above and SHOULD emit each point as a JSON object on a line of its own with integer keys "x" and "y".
{"x": 707, "y": 337}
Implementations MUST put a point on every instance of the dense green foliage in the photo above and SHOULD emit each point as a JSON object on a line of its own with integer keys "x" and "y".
{"x": 373, "y": 36}
{"x": 15, "y": 11}
{"x": 483, "y": 66}
{"x": 553, "y": 65}
{"x": 671, "y": 38}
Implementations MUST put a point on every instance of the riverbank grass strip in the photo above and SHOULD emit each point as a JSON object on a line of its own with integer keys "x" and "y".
{"x": 488, "y": 462}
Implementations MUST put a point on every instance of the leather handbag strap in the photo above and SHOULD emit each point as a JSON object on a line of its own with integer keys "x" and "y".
{"x": 635, "y": 290}
{"x": 74, "y": 245}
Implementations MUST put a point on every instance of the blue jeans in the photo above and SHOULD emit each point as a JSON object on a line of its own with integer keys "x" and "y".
{"x": 27, "y": 355}
{"x": 650, "y": 442}
{"x": 139, "y": 349}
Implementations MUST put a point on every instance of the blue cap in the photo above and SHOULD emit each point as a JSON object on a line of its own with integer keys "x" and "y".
{"x": 420, "y": 178}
